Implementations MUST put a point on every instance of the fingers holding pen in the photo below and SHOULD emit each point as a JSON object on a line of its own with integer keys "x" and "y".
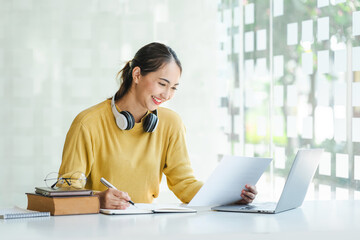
{"x": 114, "y": 199}
{"x": 120, "y": 194}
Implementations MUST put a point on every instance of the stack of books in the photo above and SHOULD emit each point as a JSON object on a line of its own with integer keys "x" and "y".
{"x": 63, "y": 201}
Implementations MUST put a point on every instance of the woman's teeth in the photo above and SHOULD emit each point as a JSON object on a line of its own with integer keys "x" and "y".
{"x": 157, "y": 100}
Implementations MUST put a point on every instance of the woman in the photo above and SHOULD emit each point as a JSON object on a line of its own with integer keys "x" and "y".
{"x": 131, "y": 141}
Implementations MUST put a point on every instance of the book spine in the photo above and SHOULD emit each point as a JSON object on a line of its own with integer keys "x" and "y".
{"x": 40, "y": 203}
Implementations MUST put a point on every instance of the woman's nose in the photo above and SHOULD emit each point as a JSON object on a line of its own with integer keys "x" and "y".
{"x": 166, "y": 94}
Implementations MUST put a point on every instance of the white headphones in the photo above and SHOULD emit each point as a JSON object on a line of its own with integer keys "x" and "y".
{"x": 126, "y": 121}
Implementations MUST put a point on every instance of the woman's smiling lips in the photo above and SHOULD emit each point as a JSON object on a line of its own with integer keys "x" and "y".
{"x": 156, "y": 100}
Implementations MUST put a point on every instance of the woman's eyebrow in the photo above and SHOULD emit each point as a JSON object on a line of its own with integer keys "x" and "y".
{"x": 164, "y": 79}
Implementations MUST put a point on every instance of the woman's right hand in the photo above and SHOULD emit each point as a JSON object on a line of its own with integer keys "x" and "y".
{"x": 114, "y": 199}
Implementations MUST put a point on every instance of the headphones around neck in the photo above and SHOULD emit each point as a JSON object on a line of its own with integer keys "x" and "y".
{"x": 126, "y": 121}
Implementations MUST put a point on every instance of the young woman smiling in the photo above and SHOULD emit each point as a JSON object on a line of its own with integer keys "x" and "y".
{"x": 131, "y": 141}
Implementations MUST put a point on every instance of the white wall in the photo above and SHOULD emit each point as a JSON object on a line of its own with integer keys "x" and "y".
{"x": 60, "y": 57}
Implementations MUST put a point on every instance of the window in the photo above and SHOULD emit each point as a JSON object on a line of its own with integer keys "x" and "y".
{"x": 295, "y": 83}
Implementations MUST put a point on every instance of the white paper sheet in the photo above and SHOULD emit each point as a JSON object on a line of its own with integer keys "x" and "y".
{"x": 278, "y": 7}
{"x": 356, "y": 23}
{"x": 238, "y": 127}
{"x": 323, "y": 61}
{"x": 237, "y": 97}
{"x": 342, "y": 165}
{"x": 307, "y": 31}
{"x": 325, "y": 164}
{"x": 227, "y": 127}
{"x": 279, "y": 96}
{"x": 279, "y": 157}
{"x": 278, "y": 126}
{"x": 261, "y": 125}
{"x": 225, "y": 184}
{"x": 236, "y": 43}
{"x": 227, "y": 17}
{"x": 236, "y": 16}
{"x": 249, "y": 13}
{"x": 340, "y": 94}
{"x": 249, "y": 41}
{"x": 291, "y": 96}
{"x": 324, "y": 125}
{"x": 292, "y": 34}
{"x": 278, "y": 66}
{"x": 357, "y": 167}
{"x": 307, "y": 62}
{"x": 307, "y": 131}
{"x": 340, "y": 129}
{"x": 339, "y": 1}
{"x": 356, "y": 58}
{"x": 227, "y": 45}
{"x": 356, "y": 93}
{"x": 261, "y": 39}
{"x": 249, "y": 98}
{"x": 322, "y": 3}
{"x": 356, "y": 129}
{"x": 221, "y": 31}
{"x": 322, "y": 92}
{"x": 340, "y": 60}
{"x": 261, "y": 67}
{"x": 323, "y": 29}
{"x": 291, "y": 127}
{"x": 249, "y": 67}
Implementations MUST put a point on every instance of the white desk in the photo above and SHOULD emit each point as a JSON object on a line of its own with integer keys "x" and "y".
{"x": 314, "y": 220}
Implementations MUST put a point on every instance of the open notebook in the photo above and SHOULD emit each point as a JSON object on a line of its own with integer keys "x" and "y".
{"x": 145, "y": 208}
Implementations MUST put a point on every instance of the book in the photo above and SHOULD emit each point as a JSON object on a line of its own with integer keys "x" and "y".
{"x": 63, "y": 205}
{"x": 144, "y": 208}
{"x": 46, "y": 191}
{"x": 17, "y": 212}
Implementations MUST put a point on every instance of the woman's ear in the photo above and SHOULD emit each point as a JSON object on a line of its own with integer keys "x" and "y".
{"x": 136, "y": 73}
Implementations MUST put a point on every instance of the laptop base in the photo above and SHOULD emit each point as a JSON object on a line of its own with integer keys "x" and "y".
{"x": 268, "y": 207}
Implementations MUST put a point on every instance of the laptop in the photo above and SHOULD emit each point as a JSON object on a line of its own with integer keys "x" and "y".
{"x": 301, "y": 173}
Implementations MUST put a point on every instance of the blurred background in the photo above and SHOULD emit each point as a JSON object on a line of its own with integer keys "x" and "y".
{"x": 260, "y": 78}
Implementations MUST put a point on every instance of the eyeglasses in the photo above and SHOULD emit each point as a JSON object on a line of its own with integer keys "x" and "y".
{"x": 75, "y": 180}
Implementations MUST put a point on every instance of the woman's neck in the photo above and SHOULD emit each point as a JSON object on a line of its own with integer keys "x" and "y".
{"x": 129, "y": 103}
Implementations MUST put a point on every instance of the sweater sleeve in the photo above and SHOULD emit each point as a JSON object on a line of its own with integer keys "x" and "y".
{"x": 78, "y": 151}
{"x": 178, "y": 171}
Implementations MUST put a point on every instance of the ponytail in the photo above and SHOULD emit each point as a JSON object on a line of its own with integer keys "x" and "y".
{"x": 126, "y": 80}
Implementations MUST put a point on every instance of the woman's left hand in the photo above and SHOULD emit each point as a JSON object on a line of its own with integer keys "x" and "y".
{"x": 248, "y": 194}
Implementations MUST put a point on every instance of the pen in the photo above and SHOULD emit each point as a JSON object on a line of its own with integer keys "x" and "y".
{"x": 109, "y": 185}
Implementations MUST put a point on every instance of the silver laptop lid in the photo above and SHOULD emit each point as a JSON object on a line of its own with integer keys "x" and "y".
{"x": 301, "y": 173}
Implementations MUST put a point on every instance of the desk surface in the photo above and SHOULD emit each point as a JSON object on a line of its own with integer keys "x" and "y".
{"x": 314, "y": 220}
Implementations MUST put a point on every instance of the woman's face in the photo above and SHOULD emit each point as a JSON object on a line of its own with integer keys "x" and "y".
{"x": 157, "y": 87}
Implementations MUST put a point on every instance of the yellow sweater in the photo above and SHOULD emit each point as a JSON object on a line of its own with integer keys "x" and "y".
{"x": 132, "y": 160}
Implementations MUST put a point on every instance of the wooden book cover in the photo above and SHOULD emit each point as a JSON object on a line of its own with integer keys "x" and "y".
{"x": 63, "y": 205}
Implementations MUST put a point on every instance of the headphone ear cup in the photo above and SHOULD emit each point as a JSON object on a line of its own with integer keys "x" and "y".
{"x": 150, "y": 123}
{"x": 129, "y": 118}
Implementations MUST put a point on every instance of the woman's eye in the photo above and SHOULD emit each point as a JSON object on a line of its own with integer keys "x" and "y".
{"x": 162, "y": 84}
{"x": 174, "y": 88}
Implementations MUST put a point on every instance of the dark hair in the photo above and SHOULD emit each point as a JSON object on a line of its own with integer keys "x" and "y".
{"x": 149, "y": 58}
